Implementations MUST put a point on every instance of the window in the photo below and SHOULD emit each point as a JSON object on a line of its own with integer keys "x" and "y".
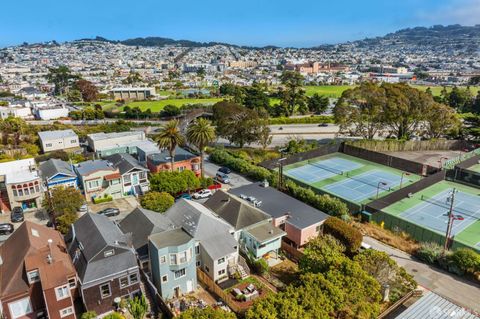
{"x": 163, "y": 259}
{"x": 198, "y": 263}
{"x": 197, "y": 250}
{"x": 20, "y": 192}
{"x": 133, "y": 278}
{"x": 126, "y": 179}
{"x": 173, "y": 259}
{"x": 221, "y": 260}
{"x": 114, "y": 182}
{"x": 105, "y": 290}
{"x": 72, "y": 283}
{"x": 20, "y": 308}
{"x": 182, "y": 257}
{"x": 62, "y": 292}
{"x": 165, "y": 278}
{"x": 108, "y": 253}
{"x": 26, "y": 192}
{"x": 123, "y": 282}
{"x": 180, "y": 273}
{"x": 15, "y": 192}
{"x": 33, "y": 276}
{"x": 207, "y": 269}
{"x": 181, "y": 168}
{"x": 318, "y": 228}
{"x": 37, "y": 188}
{"x": 73, "y": 141}
{"x": 221, "y": 272}
{"x": 66, "y": 312}
{"x": 143, "y": 175}
{"x": 93, "y": 184}
{"x": 48, "y": 145}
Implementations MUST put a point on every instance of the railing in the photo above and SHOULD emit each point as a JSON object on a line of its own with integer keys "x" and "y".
{"x": 450, "y": 164}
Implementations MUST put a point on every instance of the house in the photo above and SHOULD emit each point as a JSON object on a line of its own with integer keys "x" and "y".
{"x": 38, "y": 279}
{"x": 56, "y": 172}
{"x": 300, "y": 221}
{"x": 253, "y": 229}
{"x": 105, "y": 262}
{"x": 141, "y": 223}
{"x": 134, "y": 179}
{"x": 138, "y": 93}
{"x": 51, "y": 112}
{"x": 184, "y": 160}
{"x": 173, "y": 263}
{"x": 16, "y": 111}
{"x": 98, "y": 178}
{"x": 58, "y": 140}
{"x": 102, "y": 142}
{"x": 20, "y": 185}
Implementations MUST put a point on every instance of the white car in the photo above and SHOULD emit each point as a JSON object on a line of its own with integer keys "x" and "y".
{"x": 204, "y": 193}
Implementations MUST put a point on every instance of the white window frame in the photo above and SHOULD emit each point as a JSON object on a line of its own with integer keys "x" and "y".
{"x": 166, "y": 279}
{"x": 72, "y": 283}
{"x": 221, "y": 261}
{"x": 197, "y": 249}
{"x": 130, "y": 278}
{"x": 109, "y": 290}
{"x": 175, "y": 262}
{"x": 36, "y": 278}
{"x": 29, "y": 308}
{"x": 182, "y": 257}
{"x": 184, "y": 273}
{"x": 62, "y": 315}
{"x": 120, "y": 282}
{"x": 64, "y": 288}
{"x": 221, "y": 272}
{"x": 163, "y": 259}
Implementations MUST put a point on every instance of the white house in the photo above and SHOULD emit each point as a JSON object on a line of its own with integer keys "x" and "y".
{"x": 58, "y": 140}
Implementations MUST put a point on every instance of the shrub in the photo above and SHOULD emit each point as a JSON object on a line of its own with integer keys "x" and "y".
{"x": 465, "y": 260}
{"x": 349, "y": 236}
{"x": 429, "y": 252}
{"x": 104, "y": 199}
{"x": 260, "y": 266}
{"x": 301, "y": 120}
{"x": 156, "y": 201}
{"x": 89, "y": 315}
{"x": 206, "y": 182}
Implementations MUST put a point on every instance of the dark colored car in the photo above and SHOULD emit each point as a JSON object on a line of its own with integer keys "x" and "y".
{"x": 323, "y": 124}
{"x": 109, "y": 212}
{"x": 225, "y": 170}
{"x": 17, "y": 215}
{"x": 6, "y": 229}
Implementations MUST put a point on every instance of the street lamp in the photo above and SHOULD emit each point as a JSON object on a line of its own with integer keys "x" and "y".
{"x": 451, "y": 218}
{"x": 401, "y": 179}
{"x": 440, "y": 161}
{"x": 378, "y": 186}
{"x": 280, "y": 172}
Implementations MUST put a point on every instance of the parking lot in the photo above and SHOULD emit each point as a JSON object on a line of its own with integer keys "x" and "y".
{"x": 236, "y": 180}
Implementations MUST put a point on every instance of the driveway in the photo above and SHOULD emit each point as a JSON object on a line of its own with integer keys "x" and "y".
{"x": 462, "y": 292}
{"x": 236, "y": 180}
{"x": 125, "y": 205}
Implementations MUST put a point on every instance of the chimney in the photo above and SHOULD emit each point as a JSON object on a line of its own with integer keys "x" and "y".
{"x": 49, "y": 257}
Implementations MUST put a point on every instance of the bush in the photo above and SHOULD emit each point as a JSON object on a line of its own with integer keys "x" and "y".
{"x": 260, "y": 266}
{"x": 349, "y": 236}
{"x": 174, "y": 182}
{"x": 465, "y": 260}
{"x": 104, "y": 199}
{"x": 156, "y": 201}
{"x": 301, "y": 120}
{"x": 429, "y": 252}
{"x": 89, "y": 315}
{"x": 63, "y": 222}
{"x": 206, "y": 182}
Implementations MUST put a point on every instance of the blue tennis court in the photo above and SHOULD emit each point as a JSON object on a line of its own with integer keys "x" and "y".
{"x": 433, "y": 212}
{"x": 363, "y": 186}
{"x": 309, "y": 173}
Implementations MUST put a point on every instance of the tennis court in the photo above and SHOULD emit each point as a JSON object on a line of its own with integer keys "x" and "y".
{"x": 433, "y": 211}
{"x": 318, "y": 170}
{"x": 360, "y": 187}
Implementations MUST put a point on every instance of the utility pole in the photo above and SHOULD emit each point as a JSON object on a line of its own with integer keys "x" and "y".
{"x": 280, "y": 173}
{"x": 451, "y": 218}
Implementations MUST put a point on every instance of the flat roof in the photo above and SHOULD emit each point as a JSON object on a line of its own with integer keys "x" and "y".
{"x": 105, "y": 136}
{"x": 169, "y": 238}
{"x": 278, "y": 204}
{"x": 50, "y": 135}
{"x": 265, "y": 232}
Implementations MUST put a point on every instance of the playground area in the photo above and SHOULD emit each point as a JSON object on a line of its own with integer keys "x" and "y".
{"x": 353, "y": 179}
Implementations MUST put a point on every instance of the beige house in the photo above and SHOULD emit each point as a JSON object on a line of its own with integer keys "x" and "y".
{"x": 58, "y": 140}
{"x": 99, "y": 178}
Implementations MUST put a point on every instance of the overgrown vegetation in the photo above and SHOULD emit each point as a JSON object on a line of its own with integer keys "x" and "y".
{"x": 176, "y": 182}
{"x": 350, "y": 237}
{"x": 157, "y": 201}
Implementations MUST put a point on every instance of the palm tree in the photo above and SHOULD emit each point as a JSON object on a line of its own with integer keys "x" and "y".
{"x": 201, "y": 133}
{"x": 170, "y": 137}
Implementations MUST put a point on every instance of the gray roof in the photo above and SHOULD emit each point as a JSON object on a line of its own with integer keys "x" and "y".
{"x": 169, "y": 238}
{"x": 51, "y": 135}
{"x": 278, "y": 204}
{"x": 55, "y": 166}
{"x": 142, "y": 223}
{"x": 214, "y": 234}
{"x": 433, "y": 306}
{"x": 181, "y": 154}
{"x": 124, "y": 162}
{"x": 234, "y": 210}
{"x": 106, "y": 136}
{"x": 92, "y": 234}
{"x": 88, "y": 167}
{"x": 265, "y": 232}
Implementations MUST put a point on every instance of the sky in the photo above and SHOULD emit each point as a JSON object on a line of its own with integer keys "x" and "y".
{"x": 297, "y": 23}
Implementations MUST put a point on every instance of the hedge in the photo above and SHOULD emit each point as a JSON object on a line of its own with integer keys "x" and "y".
{"x": 325, "y": 203}
{"x": 301, "y": 120}
{"x": 98, "y": 200}
{"x": 349, "y": 236}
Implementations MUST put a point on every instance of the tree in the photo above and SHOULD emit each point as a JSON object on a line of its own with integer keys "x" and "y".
{"x": 62, "y": 78}
{"x": 74, "y": 95}
{"x": 201, "y": 73}
{"x": 207, "y": 313}
{"x": 63, "y": 200}
{"x": 200, "y": 133}
{"x": 12, "y": 126}
{"x": 63, "y": 222}
{"x": 87, "y": 90}
{"x": 476, "y": 104}
{"x": 440, "y": 119}
{"x": 350, "y": 237}
{"x": 318, "y": 103}
{"x": 174, "y": 182}
{"x": 467, "y": 260}
{"x": 133, "y": 78}
{"x": 320, "y": 254}
{"x": 138, "y": 307}
{"x": 89, "y": 315}
{"x": 292, "y": 95}
{"x": 170, "y": 137}
{"x": 256, "y": 98}
{"x": 265, "y": 137}
{"x": 157, "y": 201}
{"x": 170, "y": 110}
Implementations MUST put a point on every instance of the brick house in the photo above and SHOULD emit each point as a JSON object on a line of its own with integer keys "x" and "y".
{"x": 184, "y": 160}
{"x": 38, "y": 279}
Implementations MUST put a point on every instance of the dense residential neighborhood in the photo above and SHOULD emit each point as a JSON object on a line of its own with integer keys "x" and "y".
{"x": 161, "y": 178}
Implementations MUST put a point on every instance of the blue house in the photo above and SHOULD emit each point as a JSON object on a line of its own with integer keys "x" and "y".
{"x": 172, "y": 263}
{"x": 56, "y": 172}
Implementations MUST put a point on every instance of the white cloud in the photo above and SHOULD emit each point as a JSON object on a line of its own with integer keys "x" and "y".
{"x": 464, "y": 12}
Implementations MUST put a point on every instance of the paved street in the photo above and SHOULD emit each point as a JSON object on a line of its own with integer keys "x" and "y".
{"x": 236, "y": 180}
{"x": 464, "y": 293}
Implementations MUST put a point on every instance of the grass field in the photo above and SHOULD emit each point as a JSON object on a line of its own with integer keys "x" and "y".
{"x": 469, "y": 236}
{"x": 157, "y": 106}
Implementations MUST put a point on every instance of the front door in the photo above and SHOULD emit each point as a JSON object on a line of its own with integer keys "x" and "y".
{"x": 135, "y": 179}
{"x": 189, "y": 286}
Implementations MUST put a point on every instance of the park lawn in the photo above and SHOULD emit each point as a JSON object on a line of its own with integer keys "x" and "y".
{"x": 436, "y": 90}
{"x": 333, "y": 91}
{"x": 157, "y": 106}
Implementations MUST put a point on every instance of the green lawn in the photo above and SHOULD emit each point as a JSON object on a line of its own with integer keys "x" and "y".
{"x": 333, "y": 91}
{"x": 437, "y": 89}
{"x": 157, "y": 106}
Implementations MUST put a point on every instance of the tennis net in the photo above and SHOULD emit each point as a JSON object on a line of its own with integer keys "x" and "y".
{"x": 330, "y": 169}
{"x": 379, "y": 184}
{"x": 446, "y": 204}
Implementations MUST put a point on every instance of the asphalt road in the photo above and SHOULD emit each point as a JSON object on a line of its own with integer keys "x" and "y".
{"x": 463, "y": 292}
{"x": 236, "y": 180}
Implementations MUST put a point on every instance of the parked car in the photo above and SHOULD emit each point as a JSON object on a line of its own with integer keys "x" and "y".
{"x": 109, "y": 212}
{"x": 16, "y": 215}
{"x": 6, "y": 229}
{"x": 204, "y": 193}
{"x": 224, "y": 170}
{"x": 83, "y": 209}
{"x": 323, "y": 124}
{"x": 184, "y": 196}
{"x": 222, "y": 178}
